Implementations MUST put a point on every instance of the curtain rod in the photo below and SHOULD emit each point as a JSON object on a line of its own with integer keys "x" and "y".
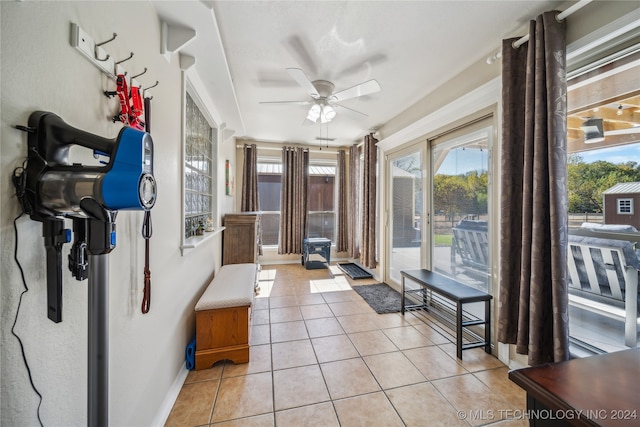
{"x": 560, "y": 17}
{"x": 280, "y": 149}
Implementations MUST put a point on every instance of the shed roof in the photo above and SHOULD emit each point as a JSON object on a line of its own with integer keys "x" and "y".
{"x": 624, "y": 188}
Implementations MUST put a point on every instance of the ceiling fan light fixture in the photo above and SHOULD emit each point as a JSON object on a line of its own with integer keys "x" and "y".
{"x": 328, "y": 114}
{"x": 314, "y": 113}
{"x": 593, "y": 131}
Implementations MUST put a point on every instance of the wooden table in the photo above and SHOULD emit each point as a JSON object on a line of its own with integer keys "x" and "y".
{"x": 600, "y": 390}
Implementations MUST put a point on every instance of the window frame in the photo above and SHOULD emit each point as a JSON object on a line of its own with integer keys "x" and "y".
{"x": 624, "y": 210}
{"x": 190, "y": 88}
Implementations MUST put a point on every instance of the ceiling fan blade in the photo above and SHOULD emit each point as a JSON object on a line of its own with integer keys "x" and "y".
{"x": 299, "y": 76}
{"x": 348, "y": 108}
{"x": 288, "y": 102}
{"x": 366, "y": 88}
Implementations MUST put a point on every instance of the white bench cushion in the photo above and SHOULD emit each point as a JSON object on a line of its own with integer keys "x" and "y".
{"x": 233, "y": 286}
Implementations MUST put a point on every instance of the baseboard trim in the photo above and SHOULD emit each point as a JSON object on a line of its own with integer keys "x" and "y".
{"x": 171, "y": 397}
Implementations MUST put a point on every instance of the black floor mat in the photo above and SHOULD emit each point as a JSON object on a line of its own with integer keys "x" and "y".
{"x": 354, "y": 271}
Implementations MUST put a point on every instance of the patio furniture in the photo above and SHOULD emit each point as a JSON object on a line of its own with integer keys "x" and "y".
{"x": 603, "y": 278}
{"x": 471, "y": 244}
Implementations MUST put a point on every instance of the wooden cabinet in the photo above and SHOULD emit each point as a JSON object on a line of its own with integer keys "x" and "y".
{"x": 240, "y": 242}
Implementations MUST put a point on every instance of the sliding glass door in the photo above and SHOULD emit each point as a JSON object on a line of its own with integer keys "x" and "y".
{"x": 406, "y": 209}
{"x": 460, "y": 215}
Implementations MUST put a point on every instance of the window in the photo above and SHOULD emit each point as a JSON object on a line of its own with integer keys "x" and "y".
{"x": 322, "y": 200}
{"x": 269, "y": 195}
{"x": 200, "y": 170}
{"x": 322, "y": 213}
{"x": 603, "y": 171}
{"x": 625, "y": 206}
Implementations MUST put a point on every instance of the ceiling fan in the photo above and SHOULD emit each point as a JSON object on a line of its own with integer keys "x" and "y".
{"x": 323, "y": 98}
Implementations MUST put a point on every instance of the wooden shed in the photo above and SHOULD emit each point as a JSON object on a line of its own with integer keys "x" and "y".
{"x": 622, "y": 204}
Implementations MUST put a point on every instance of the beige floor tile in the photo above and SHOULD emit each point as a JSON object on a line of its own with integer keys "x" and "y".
{"x": 434, "y": 363}
{"x": 338, "y": 296}
{"x": 260, "y": 334}
{"x": 320, "y": 415}
{"x": 309, "y": 298}
{"x": 435, "y": 335}
{"x": 357, "y": 323}
{"x": 502, "y": 387}
{"x": 372, "y": 342}
{"x": 285, "y": 314}
{"x": 390, "y": 320}
{"x": 260, "y": 317}
{"x": 347, "y": 308}
{"x": 265, "y": 420}
{"x": 336, "y": 347}
{"x": 261, "y": 303}
{"x": 213, "y": 373}
{"x": 299, "y": 387}
{"x": 474, "y": 359}
{"x": 469, "y": 395}
{"x": 367, "y": 410}
{"x": 282, "y": 291}
{"x": 288, "y": 331}
{"x": 284, "y": 301}
{"x": 323, "y": 327}
{"x": 292, "y": 354}
{"x": 244, "y": 396}
{"x": 346, "y": 378}
{"x": 315, "y": 311}
{"x": 259, "y": 361}
{"x": 421, "y": 405}
{"x": 407, "y": 337}
{"x": 193, "y": 405}
{"x": 326, "y": 285}
{"x": 393, "y": 370}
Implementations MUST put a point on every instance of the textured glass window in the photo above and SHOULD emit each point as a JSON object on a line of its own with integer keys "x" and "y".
{"x": 199, "y": 171}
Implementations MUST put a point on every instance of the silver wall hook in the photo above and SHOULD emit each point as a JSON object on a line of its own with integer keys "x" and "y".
{"x": 108, "y": 41}
{"x": 138, "y": 75}
{"x": 126, "y": 59}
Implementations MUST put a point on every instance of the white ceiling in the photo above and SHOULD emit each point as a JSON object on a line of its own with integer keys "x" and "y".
{"x": 242, "y": 50}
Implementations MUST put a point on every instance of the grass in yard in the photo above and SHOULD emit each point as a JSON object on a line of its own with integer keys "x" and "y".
{"x": 443, "y": 239}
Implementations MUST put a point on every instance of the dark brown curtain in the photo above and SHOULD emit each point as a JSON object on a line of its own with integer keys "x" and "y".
{"x": 533, "y": 311}
{"x": 368, "y": 246}
{"x": 342, "y": 242}
{"x": 293, "y": 207}
{"x": 354, "y": 179}
{"x": 250, "y": 202}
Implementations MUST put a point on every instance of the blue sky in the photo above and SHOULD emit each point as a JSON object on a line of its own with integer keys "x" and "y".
{"x": 461, "y": 161}
{"x": 614, "y": 155}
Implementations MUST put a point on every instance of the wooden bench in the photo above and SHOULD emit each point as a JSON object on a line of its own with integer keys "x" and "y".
{"x": 459, "y": 294}
{"x": 223, "y": 316}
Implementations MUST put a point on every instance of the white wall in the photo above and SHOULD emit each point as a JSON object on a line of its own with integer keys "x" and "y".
{"x": 41, "y": 71}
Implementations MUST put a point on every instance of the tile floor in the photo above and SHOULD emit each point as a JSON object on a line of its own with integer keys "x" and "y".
{"x": 320, "y": 356}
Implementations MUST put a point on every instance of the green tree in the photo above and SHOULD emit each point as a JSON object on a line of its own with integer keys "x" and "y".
{"x": 587, "y": 181}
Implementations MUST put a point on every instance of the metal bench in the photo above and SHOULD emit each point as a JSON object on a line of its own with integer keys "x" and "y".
{"x": 460, "y": 294}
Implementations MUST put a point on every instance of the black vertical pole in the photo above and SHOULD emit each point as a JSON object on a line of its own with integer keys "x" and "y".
{"x": 98, "y": 357}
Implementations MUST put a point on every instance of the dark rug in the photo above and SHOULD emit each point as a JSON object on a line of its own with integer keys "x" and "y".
{"x": 381, "y": 297}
